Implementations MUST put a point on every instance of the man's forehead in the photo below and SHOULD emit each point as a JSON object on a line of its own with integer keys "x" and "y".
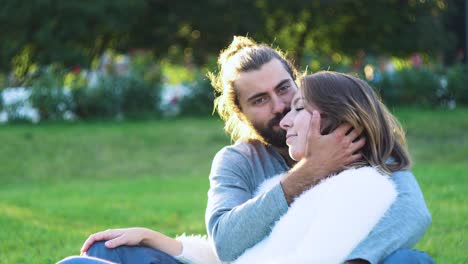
{"x": 267, "y": 77}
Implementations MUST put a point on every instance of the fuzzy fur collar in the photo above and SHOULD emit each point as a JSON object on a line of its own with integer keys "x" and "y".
{"x": 323, "y": 225}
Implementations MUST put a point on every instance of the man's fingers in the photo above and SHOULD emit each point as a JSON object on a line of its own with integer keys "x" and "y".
{"x": 355, "y": 157}
{"x": 312, "y": 132}
{"x": 356, "y": 146}
{"x": 343, "y": 129}
{"x": 314, "y": 127}
{"x": 354, "y": 134}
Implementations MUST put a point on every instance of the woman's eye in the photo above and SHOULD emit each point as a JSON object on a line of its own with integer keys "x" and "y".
{"x": 299, "y": 109}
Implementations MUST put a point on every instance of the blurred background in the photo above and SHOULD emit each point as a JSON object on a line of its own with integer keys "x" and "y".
{"x": 145, "y": 56}
{"x": 106, "y": 112}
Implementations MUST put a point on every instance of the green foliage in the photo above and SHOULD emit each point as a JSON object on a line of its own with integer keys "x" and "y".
{"x": 102, "y": 101}
{"x": 144, "y": 66}
{"x": 411, "y": 86}
{"x": 176, "y": 74}
{"x": 1, "y": 101}
{"x": 200, "y": 100}
{"x": 117, "y": 97}
{"x": 64, "y": 31}
{"x": 76, "y": 32}
{"x": 133, "y": 92}
{"x": 457, "y": 83}
{"x": 138, "y": 96}
{"x": 49, "y": 96}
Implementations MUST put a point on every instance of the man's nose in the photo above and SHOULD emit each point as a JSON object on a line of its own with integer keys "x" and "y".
{"x": 279, "y": 105}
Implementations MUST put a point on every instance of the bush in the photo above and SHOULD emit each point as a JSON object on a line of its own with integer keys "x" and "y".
{"x": 411, "y": 86}
{"x": 200, "y": 99}
{"x": 457, "y": 83}
{"x": 1, "y": 101}
{"x": 49, "y": 97}
{"x": 101, "y": 101}
{"x": 138, "y": 97}
{"x": 117, "y": 97}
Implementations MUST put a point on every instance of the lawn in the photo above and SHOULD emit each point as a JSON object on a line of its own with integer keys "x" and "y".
{"x": 61, "y": 182}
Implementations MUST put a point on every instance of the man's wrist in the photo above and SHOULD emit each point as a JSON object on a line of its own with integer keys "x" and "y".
{"x": 300, "y": 178}
{"x": 288, "y": 192}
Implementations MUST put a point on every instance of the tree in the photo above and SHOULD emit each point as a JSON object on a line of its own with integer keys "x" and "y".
{"x": 74, "y": 32}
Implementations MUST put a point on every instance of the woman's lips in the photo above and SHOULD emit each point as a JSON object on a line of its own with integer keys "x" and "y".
{"x": 289, "y": 138}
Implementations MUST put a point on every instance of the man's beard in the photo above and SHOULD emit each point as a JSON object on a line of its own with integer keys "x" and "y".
{"x": 269, "y": 135}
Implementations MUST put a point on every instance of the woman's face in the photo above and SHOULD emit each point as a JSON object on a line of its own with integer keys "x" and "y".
{"x": 296, "y": 123}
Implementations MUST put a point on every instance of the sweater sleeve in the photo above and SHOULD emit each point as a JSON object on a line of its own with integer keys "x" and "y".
{"x": 196, "y": 250}
{"x": 402, "y": 227}
{"x": 235, "y": 219}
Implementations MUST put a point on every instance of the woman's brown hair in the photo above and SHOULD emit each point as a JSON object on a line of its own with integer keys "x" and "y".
{"x": 342, "y": 98}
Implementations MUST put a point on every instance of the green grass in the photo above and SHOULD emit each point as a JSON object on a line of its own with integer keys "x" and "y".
{"x": 61, "y": 182}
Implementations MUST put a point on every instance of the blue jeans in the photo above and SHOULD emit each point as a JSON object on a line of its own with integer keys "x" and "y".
{"x": 144, "y": 255}
{"x": 124, "y": 254}
{"x": 409, "y": 256}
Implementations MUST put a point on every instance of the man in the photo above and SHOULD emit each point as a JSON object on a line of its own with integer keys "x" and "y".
{"x": 256, "y": 84}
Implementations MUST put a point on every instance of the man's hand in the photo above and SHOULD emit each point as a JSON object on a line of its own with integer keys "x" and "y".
{"x": 331, "y": 153}
{"x": 324, "y": 155}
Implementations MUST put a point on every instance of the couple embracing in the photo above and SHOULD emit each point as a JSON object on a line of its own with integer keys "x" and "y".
{"x": 319, "y": 173}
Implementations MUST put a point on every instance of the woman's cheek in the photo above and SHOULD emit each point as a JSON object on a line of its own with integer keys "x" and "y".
{"x": 296, "y": 153}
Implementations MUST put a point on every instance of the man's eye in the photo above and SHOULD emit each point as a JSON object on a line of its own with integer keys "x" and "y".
{"x": 284, "y": 88}
{"x": 299, "y": 109}
{"x": 259, "y": 100}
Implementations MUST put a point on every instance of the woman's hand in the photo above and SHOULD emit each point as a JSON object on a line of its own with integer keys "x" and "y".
{"x": 135, "y": 236}
{"x": 117, "y": 237}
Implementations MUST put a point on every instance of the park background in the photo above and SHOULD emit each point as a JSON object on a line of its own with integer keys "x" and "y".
{"x": 107, "y": 115}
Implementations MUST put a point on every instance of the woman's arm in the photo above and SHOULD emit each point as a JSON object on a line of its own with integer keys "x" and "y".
{"x": 186, "y": 249}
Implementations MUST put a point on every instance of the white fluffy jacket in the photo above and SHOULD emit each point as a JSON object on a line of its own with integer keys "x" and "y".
{"x": 323, "y": 225}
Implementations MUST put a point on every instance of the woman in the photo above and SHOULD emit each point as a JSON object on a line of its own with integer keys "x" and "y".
{"x": 325, "y": 223}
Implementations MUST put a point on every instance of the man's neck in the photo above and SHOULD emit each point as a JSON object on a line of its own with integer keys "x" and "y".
{"x": 284, "y": 152}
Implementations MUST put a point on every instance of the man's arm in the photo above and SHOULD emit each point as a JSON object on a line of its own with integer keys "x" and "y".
{"x": 235, "y": 219}
{"x": 402, "y": 226}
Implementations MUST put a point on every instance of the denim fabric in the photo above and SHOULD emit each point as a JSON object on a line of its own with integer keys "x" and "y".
{"x": 123, "y": 254}
{"x": 408, "y": 256}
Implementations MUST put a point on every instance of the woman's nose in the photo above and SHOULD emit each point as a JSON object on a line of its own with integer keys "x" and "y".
{"x": 285, "y": 123}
